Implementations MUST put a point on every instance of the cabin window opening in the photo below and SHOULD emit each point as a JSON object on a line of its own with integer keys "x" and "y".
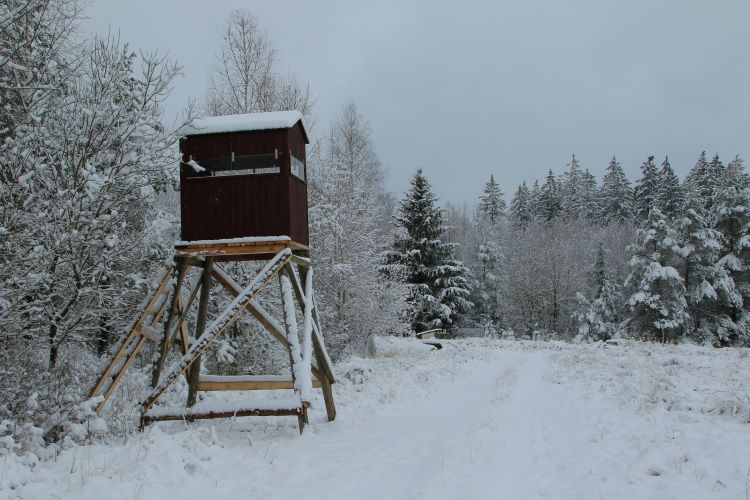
{"x": 246, "y": 171}
{"x": 239, "y": 165}
{"x": 298, "y": 168}
{"x": 256, "y": 164}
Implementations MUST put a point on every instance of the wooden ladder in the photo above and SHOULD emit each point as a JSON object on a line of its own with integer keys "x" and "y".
{"x": 141, "y": 330}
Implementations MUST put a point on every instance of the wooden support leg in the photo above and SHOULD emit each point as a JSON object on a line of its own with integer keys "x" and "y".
{"x": 164, "y": 349}
{"x": 287, "y": 303}
{"x": 200, "y": 326}
{"x": 301, "y": 423}
{"x": 121, "y": 373}
{"x": 325, "y": 381}
{"x": 325, "y": 385}
{"x": 183, "y": 328}
{"x": 324, "y": 377}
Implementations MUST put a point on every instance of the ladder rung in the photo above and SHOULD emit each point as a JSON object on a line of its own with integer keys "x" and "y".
{"x": 248, "y": 383}
{"x": 291, "y": 405}
{"x": 248, "y": 412}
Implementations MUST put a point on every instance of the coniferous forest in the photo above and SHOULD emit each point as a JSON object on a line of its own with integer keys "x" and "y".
{"x": 658, "y": 258}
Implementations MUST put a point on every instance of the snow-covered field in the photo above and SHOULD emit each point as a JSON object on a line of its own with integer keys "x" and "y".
{"x": 478, "y": 419}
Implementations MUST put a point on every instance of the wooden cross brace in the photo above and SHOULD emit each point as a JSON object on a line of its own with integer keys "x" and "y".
{"x": 244, "y": 300}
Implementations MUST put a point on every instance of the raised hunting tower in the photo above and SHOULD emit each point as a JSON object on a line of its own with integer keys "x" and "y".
{"x": 243, "y": 197}
{"x": 244, "y": 175}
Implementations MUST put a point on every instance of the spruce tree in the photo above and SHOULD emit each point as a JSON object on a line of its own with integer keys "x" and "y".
{"x": 646, "y": 189}
{"x": 715, "y": 173}
{"x": 615, "y": 196}
{"x": 600, "y": 271}
{"x": 697, "y": 184}
{"x": 710, "y": 291}
{"x": 669, "y": 198}
{"x": 491, "y": 204}
{"x": 438, "y": 284}
{"x": 487, "y": 285}
{"x": 735, "y": 175}
{"x": 490, "y": 212}
{"x": 590, "y": 208}
{"x": 600, "y": 319}
{"x": 536, "y": 205}
{"x": 572, "y": 202}
{"x": 550, "y": 200}
{"x": 521, "y": 210}
{"x": 657, "y": 292}
{"x": 731, "y": 215}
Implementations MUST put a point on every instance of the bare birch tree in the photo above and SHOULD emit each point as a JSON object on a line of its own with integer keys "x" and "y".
{"x": 246, "y": 79}
{"x": 346, "y": 186}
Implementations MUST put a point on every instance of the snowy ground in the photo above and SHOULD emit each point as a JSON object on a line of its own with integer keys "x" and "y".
{"x": 479, "y": 419}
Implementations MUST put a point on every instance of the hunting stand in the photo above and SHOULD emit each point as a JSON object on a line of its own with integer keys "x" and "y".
{"x": 233, "y": 164}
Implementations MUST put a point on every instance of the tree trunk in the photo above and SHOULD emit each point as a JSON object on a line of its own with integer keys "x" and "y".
{"x": 103, "y": 337}
{"x": 53, "y": 346}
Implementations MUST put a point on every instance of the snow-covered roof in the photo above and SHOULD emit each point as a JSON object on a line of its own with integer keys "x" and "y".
{"x": 242, "y": 123}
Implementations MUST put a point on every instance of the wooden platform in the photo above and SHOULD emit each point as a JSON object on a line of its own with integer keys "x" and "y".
{"x": 239, "y": 248}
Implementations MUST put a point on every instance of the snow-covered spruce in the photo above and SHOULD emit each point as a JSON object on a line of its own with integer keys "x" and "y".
{"x": 657, "y": 299}
{"x": 438, "y": 285}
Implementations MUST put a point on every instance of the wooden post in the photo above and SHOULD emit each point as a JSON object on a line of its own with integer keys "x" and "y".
{"x": 200, "y": 326}
{"x": 183, "y": 327}
{"x": 287, "y": 301}
{"x": 164, "y": 348}
{"x": 323, "y": 375}
{"x": 302, "y": 419}
{"x": 325, "y": 386}
{"x": 183, "y": 310}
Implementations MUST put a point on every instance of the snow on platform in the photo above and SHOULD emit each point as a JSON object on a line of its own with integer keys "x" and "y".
{"x": 241, "y": 123}
{"x": 480, "y": 419}
{"x": 234, "y": 241}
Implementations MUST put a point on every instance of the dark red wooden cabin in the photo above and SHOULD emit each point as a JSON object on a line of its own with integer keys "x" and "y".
{"x": 244, "y": 175}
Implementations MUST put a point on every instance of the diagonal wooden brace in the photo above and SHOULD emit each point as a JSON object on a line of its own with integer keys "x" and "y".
{"x": 226, "y": 317}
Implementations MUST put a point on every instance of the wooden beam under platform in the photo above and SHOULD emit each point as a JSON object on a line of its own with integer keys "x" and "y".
{"x": 239, "y": 248}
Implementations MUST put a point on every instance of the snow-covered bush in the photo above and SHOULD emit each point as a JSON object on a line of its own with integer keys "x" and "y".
{"x": 39, "y": 412}
{"x": 600, "y": 319}
{"x": 84, "y": 152}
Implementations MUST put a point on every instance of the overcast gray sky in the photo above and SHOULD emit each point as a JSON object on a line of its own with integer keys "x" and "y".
{"x": 468, "y": 89}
